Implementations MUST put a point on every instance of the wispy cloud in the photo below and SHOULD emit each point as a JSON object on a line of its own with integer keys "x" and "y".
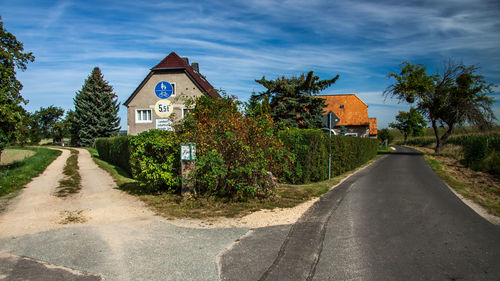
{"x": 239, "y": 41}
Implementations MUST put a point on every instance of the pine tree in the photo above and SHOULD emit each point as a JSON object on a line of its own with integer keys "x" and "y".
{"x": 96, "y": 111}
{"x": 292, "y": 103}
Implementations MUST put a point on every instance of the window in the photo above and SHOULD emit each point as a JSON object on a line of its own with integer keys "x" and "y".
{"x": 341, "y": 106}
{"x": 173, "y": 89}
{"x": 186, "y": 111}
{"x": 143, "y": 116}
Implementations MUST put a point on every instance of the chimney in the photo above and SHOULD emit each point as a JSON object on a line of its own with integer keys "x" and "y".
{"x": 196, "y": 67}
{"x": 186, "y": 60}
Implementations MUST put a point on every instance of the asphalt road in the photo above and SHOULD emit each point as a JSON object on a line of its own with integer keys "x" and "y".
{"x": 143, "y": 250}
{"x": 395, "y": 220}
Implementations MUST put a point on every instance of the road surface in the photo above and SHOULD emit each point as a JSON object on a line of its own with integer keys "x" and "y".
{"x": 395, "y": 220}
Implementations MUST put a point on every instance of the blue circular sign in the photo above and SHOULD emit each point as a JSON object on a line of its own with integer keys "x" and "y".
{"x": 163, "y": 90}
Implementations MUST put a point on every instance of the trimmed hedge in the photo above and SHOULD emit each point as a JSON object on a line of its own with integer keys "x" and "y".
{"x": 155, "y": 160}
{"x": 116, "y": 151}
{"x": 311, "y": 149}
{"x": 152, "y": 156}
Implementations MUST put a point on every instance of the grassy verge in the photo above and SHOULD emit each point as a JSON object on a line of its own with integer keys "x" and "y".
{"x": 72, "y": 182}
{"x": 176, "y": 206}
{"x": 16, "y": 175}
{"x": 382, "y": 149}
{"x": 485, "y": 195}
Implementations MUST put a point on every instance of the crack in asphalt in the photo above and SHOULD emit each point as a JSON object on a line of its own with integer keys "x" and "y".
{"x": 301, "y": 250}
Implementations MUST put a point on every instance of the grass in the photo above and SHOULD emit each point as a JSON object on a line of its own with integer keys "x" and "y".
{"x": 382, "y": 149}
{"x": 71, "y": 184}
{"x": 176, "y": 206}
{"x": 486, "y": 196}
{"x": 16, "y": 175}
{"x": 11, "y": 155}
{"x": 429, "y": 132}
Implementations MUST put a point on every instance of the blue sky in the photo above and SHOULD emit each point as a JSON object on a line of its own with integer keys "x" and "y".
{"x": 236, "y": 42}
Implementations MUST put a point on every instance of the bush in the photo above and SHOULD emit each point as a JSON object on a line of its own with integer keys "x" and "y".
{"x": 234, "y": 151}
{"x": 116, "y": 151}
{"x": 384, "y": 135}
{"x": 155, "y": 160}
{"x": 311, "y": 149}
{"x": 481, "y": 152}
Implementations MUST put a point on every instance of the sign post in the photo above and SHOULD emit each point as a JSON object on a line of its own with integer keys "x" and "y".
{"x": 188, "y": 157}
{"x": 330, "y": 145}
{"x": 330, "y": 120}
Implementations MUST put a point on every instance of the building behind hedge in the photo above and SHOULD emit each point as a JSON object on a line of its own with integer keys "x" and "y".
{"x": 148, "y": 107}
{"x": 352, "y": 113}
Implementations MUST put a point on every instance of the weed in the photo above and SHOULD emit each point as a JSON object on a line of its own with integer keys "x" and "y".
{"x": 72, "y": 217}
{"x": 72, "y": 182}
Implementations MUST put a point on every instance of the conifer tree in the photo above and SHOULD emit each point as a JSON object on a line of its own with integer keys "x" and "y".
{"x": 292, "y": 103}
{"x": 96, "y": 111}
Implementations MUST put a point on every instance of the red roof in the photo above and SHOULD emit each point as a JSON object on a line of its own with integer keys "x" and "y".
{"x": 350, "y": 109}
{"x": 174, "y": 62}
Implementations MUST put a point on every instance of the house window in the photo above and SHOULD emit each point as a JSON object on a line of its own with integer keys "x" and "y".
{"x": 143, "y": 116}
{"x": 186, "y": 111}
{"x": 341, "y": 106}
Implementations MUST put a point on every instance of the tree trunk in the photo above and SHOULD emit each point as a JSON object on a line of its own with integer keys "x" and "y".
{"x": 436, "y": 133}
{"x": 405, "y": 136}
{"x": 447, "y": 134}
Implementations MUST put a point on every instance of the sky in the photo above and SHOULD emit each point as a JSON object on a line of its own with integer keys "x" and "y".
{"x": 236, "y": 42}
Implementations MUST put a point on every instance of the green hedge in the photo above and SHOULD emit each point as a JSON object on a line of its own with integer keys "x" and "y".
{"x": 311, "y": 149}
{"x": 152, "y": 157}
{"x": 155, "y": 160}
{"x": 116, "y": 151}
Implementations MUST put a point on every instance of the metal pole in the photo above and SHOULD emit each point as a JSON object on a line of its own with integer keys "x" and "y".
{"x": 329, "y": 146}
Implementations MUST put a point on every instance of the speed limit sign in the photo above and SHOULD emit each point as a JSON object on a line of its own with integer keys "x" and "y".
{"x": 164, "y": 108}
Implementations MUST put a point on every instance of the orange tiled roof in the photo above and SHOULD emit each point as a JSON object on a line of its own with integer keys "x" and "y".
{"x": 350, "y": 109}
{"x": 373, "y": 126}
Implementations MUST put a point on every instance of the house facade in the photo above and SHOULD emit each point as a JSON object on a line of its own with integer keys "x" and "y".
{"x": 159, "y": 100}
{"x": 352, "y": 113}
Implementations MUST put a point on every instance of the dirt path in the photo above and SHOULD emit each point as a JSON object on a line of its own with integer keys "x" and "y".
{"x": 99, "y": 202}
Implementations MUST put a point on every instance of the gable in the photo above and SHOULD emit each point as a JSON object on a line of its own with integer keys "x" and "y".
{"x": 174, "y": 64}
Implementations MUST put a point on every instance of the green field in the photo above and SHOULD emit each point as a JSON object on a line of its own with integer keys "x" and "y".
{"x": 14, "y": 176}
{"x": 11, "y": 155}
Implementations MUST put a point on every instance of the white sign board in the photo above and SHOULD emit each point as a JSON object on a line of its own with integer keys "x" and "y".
{"x": 164, "y": 124}
{"x": 188, "y": 151}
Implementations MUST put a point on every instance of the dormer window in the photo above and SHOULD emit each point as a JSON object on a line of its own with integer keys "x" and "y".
{"x": 341, "y": 106}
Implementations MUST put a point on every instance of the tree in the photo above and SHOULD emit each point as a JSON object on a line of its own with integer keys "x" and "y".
{"x": 258, "y": 104}
{"x": 60, "y": 129}
{"x": 234, "y": 152}
{"x": 455, "y": 96}
{"x": 410, "y": 123}
{"x": 292, "y": 103}
{"x": 11, "y": 58}
{"x": 96, "y": 111}
{"x": 385, "y": 136}
{"x": 46, "y": 119}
